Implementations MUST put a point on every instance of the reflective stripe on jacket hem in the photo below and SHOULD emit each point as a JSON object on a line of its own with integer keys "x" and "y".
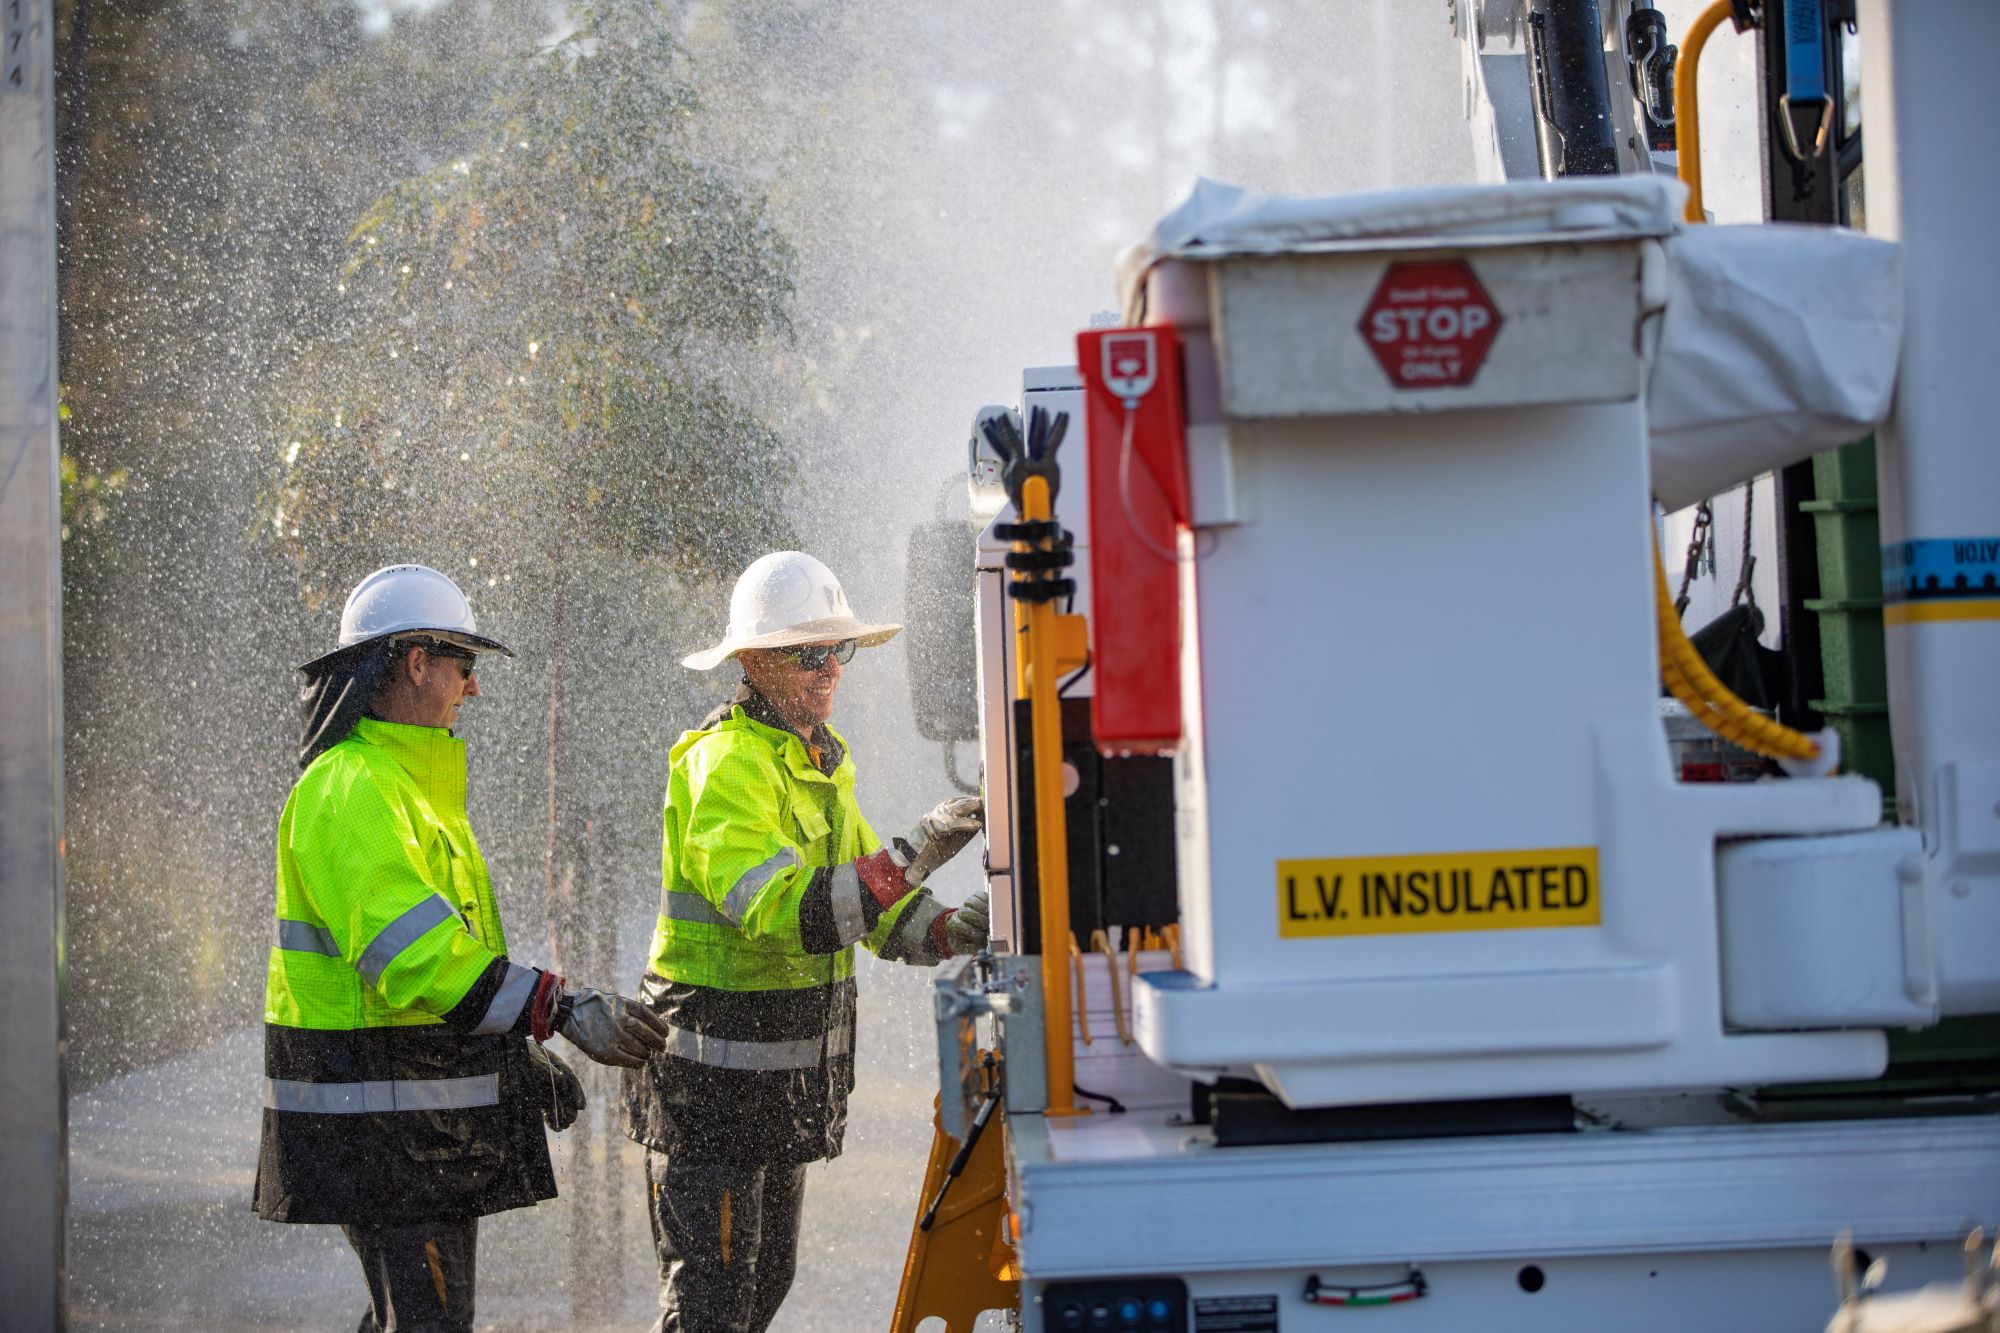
{"x": 737, "y": 902}
{"x": 305, "y": 937}
{"x": 508, "y": 1001}
{"x": 402, "y": 1094}
{"x": 399, "y": 935}
{"x": 724, "y": 1053}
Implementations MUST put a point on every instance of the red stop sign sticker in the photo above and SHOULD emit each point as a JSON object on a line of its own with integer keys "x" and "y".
{"x": 1430, "y": 324}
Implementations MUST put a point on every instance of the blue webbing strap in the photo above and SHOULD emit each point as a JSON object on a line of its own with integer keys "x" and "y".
{"x": 1805, "y": 79}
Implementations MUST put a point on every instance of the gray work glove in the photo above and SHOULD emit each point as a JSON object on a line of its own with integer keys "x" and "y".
{"x": 965, "y": 929}
{"x": 611, "y": 1029}
{"x": 561, "y": 1091}
{"x": 938, "y": 836}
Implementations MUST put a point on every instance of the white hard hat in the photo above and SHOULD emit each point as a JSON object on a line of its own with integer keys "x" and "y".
{"x": 785, "y": 599}
{"x": 409, "y": 599}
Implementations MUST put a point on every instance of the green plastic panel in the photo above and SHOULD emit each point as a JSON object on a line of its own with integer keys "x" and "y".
{"x": 1848, "y": 535}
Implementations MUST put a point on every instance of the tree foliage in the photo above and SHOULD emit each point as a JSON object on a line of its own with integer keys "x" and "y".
{"x": 535, "y": 341}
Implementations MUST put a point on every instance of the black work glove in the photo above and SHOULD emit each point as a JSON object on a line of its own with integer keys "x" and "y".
{"x": 560, "y": 1090}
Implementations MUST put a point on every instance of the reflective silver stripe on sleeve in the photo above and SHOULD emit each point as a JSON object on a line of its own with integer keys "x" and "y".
{"x": 399, "y": 935}
{"x": 722, "y": 1053}
{"x": 676, "y": 906}
{"x": 849, "y": 924}
{"x": 305, "y": 937}
{"x": 402, "y": 1094}
{"x": 753, "y": 882}
{"x": 913, "y": 930}
{"x": 508, "y": 1001}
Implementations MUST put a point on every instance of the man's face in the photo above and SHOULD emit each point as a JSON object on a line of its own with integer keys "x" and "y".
{"x": 804, "y": 696}
{"x": 441, "y": 685}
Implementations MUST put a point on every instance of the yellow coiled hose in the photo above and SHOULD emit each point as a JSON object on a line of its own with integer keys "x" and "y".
{"x": 1687, "y": 110}
{"x": 1688, "y": 678}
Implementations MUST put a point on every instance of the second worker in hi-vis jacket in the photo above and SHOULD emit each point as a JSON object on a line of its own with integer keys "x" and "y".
{"x": 769, "y": 878}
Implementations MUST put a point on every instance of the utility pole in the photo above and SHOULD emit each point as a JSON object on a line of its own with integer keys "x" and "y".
{"x": 33, "y": 1131}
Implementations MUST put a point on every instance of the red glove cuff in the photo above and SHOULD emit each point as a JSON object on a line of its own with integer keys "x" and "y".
{"x": 941, "y": 932}
{"x": 542, "y": 1006}
{"x": 882, "y": 878}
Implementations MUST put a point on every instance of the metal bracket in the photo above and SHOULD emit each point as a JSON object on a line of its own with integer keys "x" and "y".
{"x": 1002, "y": 986}
{"x": 1649, "y": 60}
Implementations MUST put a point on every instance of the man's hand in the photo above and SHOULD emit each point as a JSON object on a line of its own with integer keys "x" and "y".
{"x": 965, "y": 930}
{"x": 612, "y": 1029}
{"x": 560, "y": 1090}
{"x": 938, "y": 836}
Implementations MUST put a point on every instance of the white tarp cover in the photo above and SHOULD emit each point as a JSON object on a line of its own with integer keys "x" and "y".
{"x": 1218, "y": 220}
{"x": 1777, "y": 341}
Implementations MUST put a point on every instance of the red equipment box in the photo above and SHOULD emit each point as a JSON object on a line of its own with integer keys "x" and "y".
{"x": 1138, "y": 506}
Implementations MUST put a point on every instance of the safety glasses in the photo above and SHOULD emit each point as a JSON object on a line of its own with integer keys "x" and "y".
{"x": 814, "y": 657}
{"x": 465, "y": 660}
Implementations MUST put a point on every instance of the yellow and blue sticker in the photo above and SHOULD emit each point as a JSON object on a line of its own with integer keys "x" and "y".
{"x": 1941, "y": 578}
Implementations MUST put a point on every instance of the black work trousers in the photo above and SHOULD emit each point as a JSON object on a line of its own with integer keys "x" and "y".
{"x": 419, "y": 1277}
{"x": 728, "y": 1241}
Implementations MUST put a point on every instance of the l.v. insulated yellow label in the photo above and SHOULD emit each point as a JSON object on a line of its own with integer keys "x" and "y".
{"x": 1400, "y": 895}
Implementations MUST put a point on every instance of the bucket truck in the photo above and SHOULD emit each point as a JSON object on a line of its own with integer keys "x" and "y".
{"x": 1355, "y": 941}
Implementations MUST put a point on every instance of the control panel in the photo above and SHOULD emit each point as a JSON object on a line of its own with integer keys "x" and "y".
{"x": 1123, "y": 1305}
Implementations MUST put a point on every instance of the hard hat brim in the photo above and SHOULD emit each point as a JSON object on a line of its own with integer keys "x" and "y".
{"x": 813, "y": 631}
{"x": 477, "y": 643}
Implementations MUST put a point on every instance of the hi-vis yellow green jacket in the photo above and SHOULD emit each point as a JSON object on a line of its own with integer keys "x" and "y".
{"x": 395, "y": 1072}
{"x": 753, "y": 826}
{"x": 752, "y": 959}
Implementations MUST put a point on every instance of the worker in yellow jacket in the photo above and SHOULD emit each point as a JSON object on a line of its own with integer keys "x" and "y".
{"x": 769, "y": 877}
{"x": 405, "y": 1083}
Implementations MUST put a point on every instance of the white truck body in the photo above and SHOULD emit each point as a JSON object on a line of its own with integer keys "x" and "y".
{"x": 1337, "y": 584}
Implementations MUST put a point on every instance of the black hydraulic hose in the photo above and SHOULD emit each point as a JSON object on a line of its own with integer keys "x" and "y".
{"x": 1111, "y": 1104}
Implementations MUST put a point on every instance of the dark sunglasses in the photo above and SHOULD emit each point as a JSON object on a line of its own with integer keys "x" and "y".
{"x": 467, "y": 661}
{"x": 813, "y": 658}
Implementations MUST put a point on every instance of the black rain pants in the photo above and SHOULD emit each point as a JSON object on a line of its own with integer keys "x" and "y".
{"x": 419, "y": 1276}
{"x": 727, "y": 1236}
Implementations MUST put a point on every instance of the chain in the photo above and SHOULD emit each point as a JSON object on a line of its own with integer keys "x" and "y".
{"x": 1744, "y": 593}
{"x": 1704, "y": 519}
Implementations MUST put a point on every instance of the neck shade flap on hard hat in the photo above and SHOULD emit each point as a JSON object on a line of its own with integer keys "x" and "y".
{"x": 337, "y": 693}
